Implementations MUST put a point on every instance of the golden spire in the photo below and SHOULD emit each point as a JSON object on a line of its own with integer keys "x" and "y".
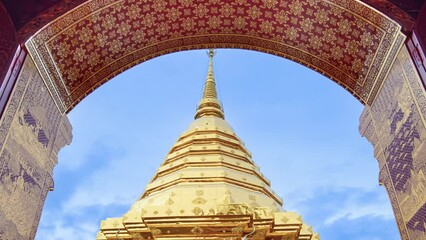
{"x": 210, "y": 104}
{"x": 208, "y": 187}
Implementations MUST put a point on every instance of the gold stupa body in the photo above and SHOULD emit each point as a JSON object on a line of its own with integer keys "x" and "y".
{"x": 208, "y": 188}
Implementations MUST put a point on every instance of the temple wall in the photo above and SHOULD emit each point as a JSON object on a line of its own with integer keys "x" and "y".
{"x": 395, "y": 125}
{"x": 32, "y": 130}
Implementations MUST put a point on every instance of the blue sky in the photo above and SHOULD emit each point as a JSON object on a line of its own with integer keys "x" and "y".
{"x": 301, "y": 128}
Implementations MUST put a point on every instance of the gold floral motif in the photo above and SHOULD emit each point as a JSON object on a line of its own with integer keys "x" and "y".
{"x": 170, "y": 201}
{"x": 168, "y": 212}
{"x": 240, "y": 22}
{"x": 199, "y": 200}
{"x": 198, "y": 211}
{"x": 109, "y": 22}
{"x": 186, "y": 3}
{"x": 137, "y": 236}
{"x": 237, "y": 230}
{"x": 266, "y": 27}
{"x": 156, "y": 231}
{"x": 227, "y": 10}
{"x": 86, "y": 35}
{"x": 173, "y": 14}
{"x": 143, "y": 212}
{"x": 197, "y": 231}
{"x": 269, "y": 3}
{"x": 79, "y": 55}
{"x": 321, "y": 16}
{"x": 252, "y": 198}
{"x": 292, "y": 33}
{"x": 188, "y": 24}
{"x": 159, "y": 5}
{"x": 133, "y": 12}
{"x": 254, "y": 12}
{"x": 149, "y": 20}
{"x": 296, "y": 7}
{"x": 214, "y": 22}
{"x": 345, "y": 27}
{"x": 124, "y": 29}
{"x": 163, "y": 28}
{"x": 307, "y": 25}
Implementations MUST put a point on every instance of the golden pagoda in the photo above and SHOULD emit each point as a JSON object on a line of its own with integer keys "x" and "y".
{"x": 208, "y": 188}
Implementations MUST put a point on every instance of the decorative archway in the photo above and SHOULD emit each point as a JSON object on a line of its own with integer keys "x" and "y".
{"x": 344, "y": 40}
{"x": 348, "y": 41}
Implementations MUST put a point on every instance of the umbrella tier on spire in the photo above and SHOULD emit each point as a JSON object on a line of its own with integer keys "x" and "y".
{"x": 209, "y": 104}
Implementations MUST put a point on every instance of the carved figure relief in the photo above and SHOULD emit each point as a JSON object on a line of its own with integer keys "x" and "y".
{"x": 401, "y": 104}
{"x": 26, "y": 157}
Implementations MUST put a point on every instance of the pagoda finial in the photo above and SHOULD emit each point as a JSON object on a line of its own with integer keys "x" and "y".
{"x": 211, "y": 52}
{"x": 210, "y": 104}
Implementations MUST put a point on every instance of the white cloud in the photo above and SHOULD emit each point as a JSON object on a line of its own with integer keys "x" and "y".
{"x": 355, "y": 208}
{"x": 118, "y": 182}
{"x": 55, "y": 227}
{"x": 302, "y": 175}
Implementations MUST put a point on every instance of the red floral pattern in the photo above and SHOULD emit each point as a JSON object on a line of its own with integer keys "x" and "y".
{"x": 347, "y": 41}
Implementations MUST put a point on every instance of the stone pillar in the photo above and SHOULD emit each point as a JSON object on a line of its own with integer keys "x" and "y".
{"x": 395, "y": 124}
{"x": 32, "y": 130}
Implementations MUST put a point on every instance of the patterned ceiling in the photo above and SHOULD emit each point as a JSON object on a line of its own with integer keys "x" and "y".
{"x": 30, "y": 15}
{"x": 345, "y": 40}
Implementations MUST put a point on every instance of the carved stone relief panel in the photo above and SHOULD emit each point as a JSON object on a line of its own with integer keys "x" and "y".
{"x": 31, "y": 133}
{"x": 395, "y": 125}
